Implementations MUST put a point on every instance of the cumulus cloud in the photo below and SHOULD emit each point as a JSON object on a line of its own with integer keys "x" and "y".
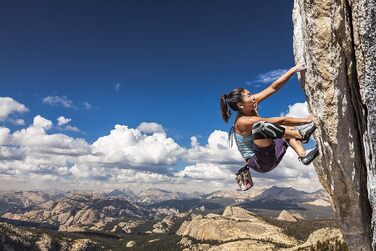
{"x": 206, "y": 171}
{"x": 150, "y": 127}
{"x": 62, "y": 124}
{"x": 17, "y": 121}
{"x": 36, "y": 141}
{"x": 39, "y": 121}
{"x": 59, "y": 101}
{"x": 4, "y": 135}
{"x": 72, "y": 128}
{"x": 9, "y": 106}
{"x": 131, "y": 146}
{"x": 215, "y": 151}
{"x": 291, "y": 167}
{"x": 62, "y": 120}
{"x": 298, "y": 110}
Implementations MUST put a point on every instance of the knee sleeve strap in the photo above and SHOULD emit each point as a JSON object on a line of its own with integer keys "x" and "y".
{"x": 266, "y": 130}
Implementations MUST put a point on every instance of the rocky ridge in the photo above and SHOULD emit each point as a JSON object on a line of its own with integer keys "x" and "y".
{"x": 14, "y": 238}
{"x": 239, "y": 229}
{"x": 81, "y": 212}
{"x": 287, "y": 216}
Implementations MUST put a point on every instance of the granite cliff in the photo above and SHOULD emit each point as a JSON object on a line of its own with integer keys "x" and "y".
{"x": 336, "y": 40}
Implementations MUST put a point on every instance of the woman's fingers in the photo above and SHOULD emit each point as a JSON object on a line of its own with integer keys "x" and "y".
{"x": 309, "y": 118}
{"x": 300, "y": 67}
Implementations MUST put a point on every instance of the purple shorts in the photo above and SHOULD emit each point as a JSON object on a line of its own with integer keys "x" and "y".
{"x": 267, "y": 158}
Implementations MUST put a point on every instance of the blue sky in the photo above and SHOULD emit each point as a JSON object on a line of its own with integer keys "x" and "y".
{"x": 172, "y": 59}
{"x": 128, "y": 62}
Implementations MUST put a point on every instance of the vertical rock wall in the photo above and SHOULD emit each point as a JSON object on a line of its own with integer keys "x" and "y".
{"x": 337, "y": 40}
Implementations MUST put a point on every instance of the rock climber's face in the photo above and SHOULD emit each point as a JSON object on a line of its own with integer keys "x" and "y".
{"x": 248, "y": 101}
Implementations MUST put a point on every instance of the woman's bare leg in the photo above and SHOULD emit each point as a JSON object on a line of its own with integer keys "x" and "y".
{"x": 291, "y": 133}
{"x": 294, "y": 143}
{"x": 297, "y": 146}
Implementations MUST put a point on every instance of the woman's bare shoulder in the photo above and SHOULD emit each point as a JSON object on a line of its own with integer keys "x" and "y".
{"x": 248, "y": 120}
{"x": 244, "y": 123}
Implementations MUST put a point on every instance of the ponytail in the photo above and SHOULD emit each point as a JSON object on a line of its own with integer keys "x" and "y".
{"x": 225, "y": 109}
{"x": 228, "y": 101}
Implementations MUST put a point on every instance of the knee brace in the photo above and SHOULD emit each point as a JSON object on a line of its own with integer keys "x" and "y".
{"x": 266, "y": 130}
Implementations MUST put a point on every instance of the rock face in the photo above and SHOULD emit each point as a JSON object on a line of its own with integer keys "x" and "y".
{"x": 336, "y": 39}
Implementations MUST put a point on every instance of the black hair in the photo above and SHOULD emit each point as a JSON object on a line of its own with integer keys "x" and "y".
{"x": 228, "y": 101}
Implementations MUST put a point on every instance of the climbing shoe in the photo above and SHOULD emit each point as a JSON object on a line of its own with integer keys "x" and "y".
{"x": 306, "y": 133}
{"x": 310, "y": 156}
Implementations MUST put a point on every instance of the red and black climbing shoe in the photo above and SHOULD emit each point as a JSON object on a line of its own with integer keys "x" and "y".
{"x": 310, "y": 156}
{"x": 306, "y": 133}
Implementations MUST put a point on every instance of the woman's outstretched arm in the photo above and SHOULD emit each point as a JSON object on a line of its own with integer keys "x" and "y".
{"x": 287, "y": 121}
{"x": 276, "y": 85}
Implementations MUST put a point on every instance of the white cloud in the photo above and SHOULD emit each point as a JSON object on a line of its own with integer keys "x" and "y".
{"x": 132, "y": 147}
{"x": 87, "y": 171}
{"x": 17, "y": 121}
{"x": 300, "y": 183}
{"x": 87, "y": 105}
{"x": 298, "y": 110}
{"x": 117, "y": 86}
{"x": 4, "y": 135}
{"x": 291, "y": 167}
{"x": 39, "y": 121}
{"x": 71, "y": 128}
{"x": 59, "y": 101}
{"x": 9, "y": 106}
{"x": 270, "y": 76}
{"x": 62, "y": 120}
{"x": 206, "y": 171}
{"x": 150, "y": 127}
{"x": 216, "y": 151}
{"x": 35, "y": 140}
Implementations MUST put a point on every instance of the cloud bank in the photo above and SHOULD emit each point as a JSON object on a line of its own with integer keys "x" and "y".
{"x": 139, "y": 158}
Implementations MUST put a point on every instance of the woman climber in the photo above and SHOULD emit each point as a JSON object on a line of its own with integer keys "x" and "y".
{"x": 263, "y": 141}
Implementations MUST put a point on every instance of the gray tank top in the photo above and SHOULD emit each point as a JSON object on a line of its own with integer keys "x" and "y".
{"x": 244, "y": 143}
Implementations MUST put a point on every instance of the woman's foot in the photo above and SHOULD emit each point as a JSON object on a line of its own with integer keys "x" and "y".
{"x": 310, "y": 156}
{"x": 306, "y": 133}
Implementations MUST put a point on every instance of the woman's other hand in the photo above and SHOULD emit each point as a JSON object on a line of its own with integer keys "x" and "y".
{"x": 300, "y": 67}
{"x": 309, "y": 119}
